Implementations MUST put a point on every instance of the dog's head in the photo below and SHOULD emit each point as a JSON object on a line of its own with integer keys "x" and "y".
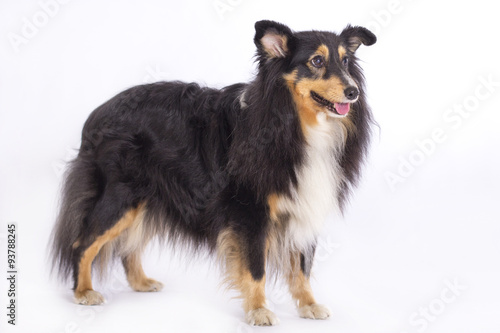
{"x": 318, "y": 67}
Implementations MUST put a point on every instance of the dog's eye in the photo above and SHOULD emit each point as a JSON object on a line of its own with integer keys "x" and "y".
{"x": 318, "y": 61}
{"x": 345, "y": 61}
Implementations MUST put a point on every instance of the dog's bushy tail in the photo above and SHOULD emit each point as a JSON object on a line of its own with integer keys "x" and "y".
{"x": 79, "y": 193}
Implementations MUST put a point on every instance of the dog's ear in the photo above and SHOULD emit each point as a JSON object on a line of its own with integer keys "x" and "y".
{"x": 355, "y": 36}
{"x": 273, "y": 39}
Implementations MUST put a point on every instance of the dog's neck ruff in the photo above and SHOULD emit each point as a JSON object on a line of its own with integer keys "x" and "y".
{"x": 319, "y": 181}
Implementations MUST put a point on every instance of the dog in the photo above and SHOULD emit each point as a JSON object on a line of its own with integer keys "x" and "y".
{"x": 247, "y": 173}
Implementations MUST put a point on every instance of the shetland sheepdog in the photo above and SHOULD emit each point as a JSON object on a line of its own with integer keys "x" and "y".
{"x": 248, "y": 172}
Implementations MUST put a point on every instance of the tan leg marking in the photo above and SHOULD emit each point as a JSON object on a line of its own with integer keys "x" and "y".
{"x": 136, "y": 277}
{"x": 84, "y": 293}
{"x": 239, "y": 277}
{"x": 254, "y": 300}
{"x": 300, "y": 288}
{"x": 298, "y": 283}
{"x": 252, "y": 291}
{"x": 301, "y": 291}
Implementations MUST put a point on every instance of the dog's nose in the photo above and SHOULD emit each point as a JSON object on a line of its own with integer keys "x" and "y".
{"x": 351, "y": 93}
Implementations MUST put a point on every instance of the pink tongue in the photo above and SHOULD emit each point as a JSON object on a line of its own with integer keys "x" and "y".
{"x": 342, "y": 108}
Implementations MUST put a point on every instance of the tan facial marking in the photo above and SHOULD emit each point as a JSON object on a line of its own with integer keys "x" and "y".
{"x": 342, "y": 51}
{"x": 307, "y": 114}
{"x": 322, "y": 50}
{"x": 331, "y": 89}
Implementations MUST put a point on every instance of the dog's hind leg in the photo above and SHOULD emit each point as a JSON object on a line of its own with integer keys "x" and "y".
{"x": 135, "y": 274}
{"x": 131, "y": 245}
{"x": 84, "y": 292}
{"x": 300, "y": 288}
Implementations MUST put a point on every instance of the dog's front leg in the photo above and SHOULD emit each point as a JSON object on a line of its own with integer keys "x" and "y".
{"x": 242, "y": 248}
{"x": 300, "y": 288}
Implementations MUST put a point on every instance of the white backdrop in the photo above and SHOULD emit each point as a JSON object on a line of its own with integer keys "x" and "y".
{"x": 417, "y": 251}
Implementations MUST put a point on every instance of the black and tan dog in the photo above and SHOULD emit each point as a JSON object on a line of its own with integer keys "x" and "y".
{"x": 248, "y": 172}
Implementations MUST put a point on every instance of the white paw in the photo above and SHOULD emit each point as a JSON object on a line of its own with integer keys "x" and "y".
{"x": 148, "y": 285}
{"x": 88, "y": 297}
{"x": 314, "y": 311}
{"x": 262, "y": 317}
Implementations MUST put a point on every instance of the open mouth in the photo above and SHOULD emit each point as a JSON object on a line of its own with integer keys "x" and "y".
{"x": 340, "y": 109}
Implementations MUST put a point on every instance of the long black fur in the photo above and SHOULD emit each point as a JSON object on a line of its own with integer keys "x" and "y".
{"x": 199, "y": 160}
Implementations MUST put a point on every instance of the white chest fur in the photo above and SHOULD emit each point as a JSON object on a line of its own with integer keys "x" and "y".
{"x": 319, "y": 179}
